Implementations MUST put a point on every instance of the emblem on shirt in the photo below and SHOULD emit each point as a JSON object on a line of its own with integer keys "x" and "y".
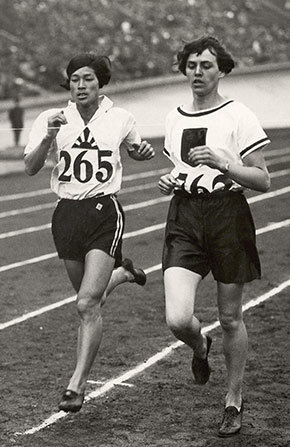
{"x": 85, "y": 165}
{"x": 86, "y": 140}
{"x": 99, "y": 206}
{"x": 192, "y": 138}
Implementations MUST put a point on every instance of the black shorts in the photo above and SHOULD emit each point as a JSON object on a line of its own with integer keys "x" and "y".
{"x": 79, "y": 226}
{"x": 212, "y": 232}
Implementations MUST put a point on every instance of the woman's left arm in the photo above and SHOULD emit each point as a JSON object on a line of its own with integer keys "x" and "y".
{"x": 253, "y": 174}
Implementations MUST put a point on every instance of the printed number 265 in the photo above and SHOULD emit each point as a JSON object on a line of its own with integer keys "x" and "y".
{"x": 82, "y": 164}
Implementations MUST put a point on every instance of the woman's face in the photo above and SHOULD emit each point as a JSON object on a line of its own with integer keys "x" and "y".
{"x": 84, "y": 87}
{"x": 203, "y": 73}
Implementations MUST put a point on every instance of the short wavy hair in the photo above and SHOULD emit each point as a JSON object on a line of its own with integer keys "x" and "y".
{"x": 224, "y": 59}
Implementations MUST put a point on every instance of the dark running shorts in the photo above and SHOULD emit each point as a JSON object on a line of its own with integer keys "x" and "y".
{"x": 212, "y": 232}
{"x": 79, "y": 226}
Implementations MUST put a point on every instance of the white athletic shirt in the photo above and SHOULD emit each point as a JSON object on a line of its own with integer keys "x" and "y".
{"x": 230, "y": 129}
{"x": 87, "y": 156}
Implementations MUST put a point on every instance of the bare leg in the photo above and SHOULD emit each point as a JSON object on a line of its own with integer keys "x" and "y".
{"x": 75, "y": 272}
{"x": 235, "y": 339}
{"x": 119, "y": 276}
{"x": 180, "y": 291}
{"x": 97, "y": 272}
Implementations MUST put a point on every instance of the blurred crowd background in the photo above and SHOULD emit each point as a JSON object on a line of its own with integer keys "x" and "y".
{"x": 141, "y": 37}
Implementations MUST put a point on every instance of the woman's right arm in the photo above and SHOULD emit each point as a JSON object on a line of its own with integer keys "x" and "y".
{"x": 35, "y": 159}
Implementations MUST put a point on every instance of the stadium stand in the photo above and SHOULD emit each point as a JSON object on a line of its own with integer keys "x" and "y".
{"x": 37, "y": 37}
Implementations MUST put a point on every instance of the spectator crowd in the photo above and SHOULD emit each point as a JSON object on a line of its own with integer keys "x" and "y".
{"x": 140, "y": 37}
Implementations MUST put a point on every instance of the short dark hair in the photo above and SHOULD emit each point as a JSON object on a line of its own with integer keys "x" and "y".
{"x": 224, "y": 59}
{"x": 100, "y": 64}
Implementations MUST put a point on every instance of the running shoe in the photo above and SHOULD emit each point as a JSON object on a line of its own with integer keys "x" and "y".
{"x": 139, "y": 274}
{"x": 232, "y": 422}
{"x": 200, "y": 367}
{"x": 71, "y": 401}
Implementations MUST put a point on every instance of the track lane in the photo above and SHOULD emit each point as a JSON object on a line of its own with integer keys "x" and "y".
{"x": 36, "y": 352}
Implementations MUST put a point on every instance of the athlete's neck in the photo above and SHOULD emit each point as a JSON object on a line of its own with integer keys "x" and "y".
{"x": 87, "y": 112}
{"x": 206, "y": 102}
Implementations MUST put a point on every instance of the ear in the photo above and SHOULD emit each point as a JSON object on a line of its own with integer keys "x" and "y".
{"x": 221, "y": 74}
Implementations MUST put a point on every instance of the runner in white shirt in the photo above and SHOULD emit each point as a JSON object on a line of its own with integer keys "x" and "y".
{"x": 84, "y": 140}
{"x": 240, "y": 135}
{"x": 215, "y": 145}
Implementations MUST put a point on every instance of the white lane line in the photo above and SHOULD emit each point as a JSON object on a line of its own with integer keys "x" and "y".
{"x": 4, "y": 268}
{"x": 40, "y": 192}
{"x": 277, "y": 161}
{"x": 47, "y": 256}
{"x": 280, "y": 173}
{"x": 101, "y": 382}
{"x": 271, "y": 227}
{"x": 29, "y": 209}
{"x": 151, "y": 202}
{"x": 127, "y": 190}
{"x": 24, "y": 231}
{"x": 110, "y": 384}
{"x": 37, "y": 312}
{"x": 126, "y": 178}
{"x": 142, "y": 231}
{"x": 126, "y": 208}
{"x": 60, "y": 303}
{"x": 35, "y": 208}
{"x": 145, "y": 174}
{"x": 145, "y": 230}
{"x": 276, "y": 152}
{"x": 269, "y": 195}
{"x": 25, "y": 195}
{"x": 48, "y": 226}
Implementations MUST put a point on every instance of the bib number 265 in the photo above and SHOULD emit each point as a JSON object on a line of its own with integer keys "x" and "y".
{"x": 83, "y": 167}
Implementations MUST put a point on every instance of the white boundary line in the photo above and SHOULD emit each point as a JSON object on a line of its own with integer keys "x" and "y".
{"x": 276, "y": 152}
{"x": 127, "y": 178}
{"x": 277, "y": 161}
{"x": 34, "y": 208}
{"x": 53, "y": 306}
{"x": 280, "y": 173}
{"x": 271, "y": 227}
{"x": 40, "y": 192}
{"x": 130, "y": 207}
{"x": 48, "y": 205}
{"x": 269, "y": 195}
{"x": 110, "y": 384}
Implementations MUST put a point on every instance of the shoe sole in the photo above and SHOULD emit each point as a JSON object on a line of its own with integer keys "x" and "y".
{"x": 139, "y": 274}
{"x": 221, "y": 435}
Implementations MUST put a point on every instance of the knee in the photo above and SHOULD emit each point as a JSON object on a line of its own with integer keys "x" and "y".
{"x": 229, "y": 322}
{"x": 180, "y": 324}
{"x": 88, "y": 306}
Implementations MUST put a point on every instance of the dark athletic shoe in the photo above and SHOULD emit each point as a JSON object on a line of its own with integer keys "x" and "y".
{"x": 71, "y": 401}
{"x": 200, "y": 367}
{"x": 232, "y": 422}
{"x": 139, "y": 274}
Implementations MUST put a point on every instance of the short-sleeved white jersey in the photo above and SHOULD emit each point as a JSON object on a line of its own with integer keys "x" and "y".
{"x": 87, "y": 156}
{"x": 230, "y": 129}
